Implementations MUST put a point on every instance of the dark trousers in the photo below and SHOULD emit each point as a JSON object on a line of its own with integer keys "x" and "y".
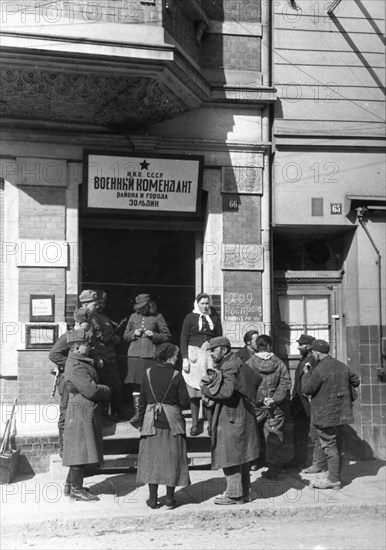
{"x": 238, "y": 480}
{"x": 318, "y": 456}
{"x": 301, "y": 431}
{"x": 271, "y": 433}
{"x": 331, "y": 440}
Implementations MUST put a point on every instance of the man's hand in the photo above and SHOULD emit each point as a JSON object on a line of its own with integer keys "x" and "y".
{"x": 269, "y": 401}
{"x": 186, "y": 365}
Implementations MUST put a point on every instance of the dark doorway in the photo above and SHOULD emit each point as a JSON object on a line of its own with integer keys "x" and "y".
{"x": 127, "y": 262}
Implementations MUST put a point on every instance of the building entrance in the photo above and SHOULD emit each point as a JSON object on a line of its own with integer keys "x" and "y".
{"x": 127, "y": 262}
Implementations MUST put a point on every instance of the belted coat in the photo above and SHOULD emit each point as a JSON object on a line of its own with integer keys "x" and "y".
{"x": 234, "y": 439}
{"x": 83, "y": 439}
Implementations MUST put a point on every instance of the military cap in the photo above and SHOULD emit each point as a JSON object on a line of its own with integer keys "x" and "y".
{"x": 141, "y": 300}
{"x": 88, "y": 296}
{"x": 76, "y": 336}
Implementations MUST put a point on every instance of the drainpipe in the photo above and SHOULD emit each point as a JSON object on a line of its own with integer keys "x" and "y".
{"x": 361, "y": 213}
{"x": 266, "y": 70}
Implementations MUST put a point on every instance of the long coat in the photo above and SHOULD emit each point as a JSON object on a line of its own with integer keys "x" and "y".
{"x": 329, "y": 385}
{"x": 234, "y": 432}
{"x": 83, "y": 440}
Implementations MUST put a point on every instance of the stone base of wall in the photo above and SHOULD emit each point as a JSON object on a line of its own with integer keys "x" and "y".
{"x": 35, "y": 453}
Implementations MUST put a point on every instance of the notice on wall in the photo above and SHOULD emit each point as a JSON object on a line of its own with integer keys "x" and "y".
{"x": 146, "y": 183}
{"x": 242, "y": 307}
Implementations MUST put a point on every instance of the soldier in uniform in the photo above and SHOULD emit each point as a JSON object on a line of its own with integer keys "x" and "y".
{"x": 110, "y": 374}
{"x": 83, "y": 439}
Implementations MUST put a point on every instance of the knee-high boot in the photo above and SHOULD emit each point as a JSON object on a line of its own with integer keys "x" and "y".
{"x": 134, "y": 421}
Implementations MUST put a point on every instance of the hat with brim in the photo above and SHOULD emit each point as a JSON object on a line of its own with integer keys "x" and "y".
{"x": 221, "y": 341}
{"x": 305, "y": 339}
{"x": 320, "y": 345}
{"x": 141, "y": 300}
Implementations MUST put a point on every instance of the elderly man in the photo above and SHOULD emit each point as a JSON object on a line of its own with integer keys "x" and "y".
{"x": 300, "y": 412}
{"x": 231, "y": 388}
{"x": 331, "y": 407}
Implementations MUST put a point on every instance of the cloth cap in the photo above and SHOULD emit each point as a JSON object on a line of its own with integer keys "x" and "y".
{"x": 165, "y": 351}
{"x": 81, "y": 315}
{"x": 141, "y": 300}
{"x": 219, "y": 341}
{"x": 305, "y": 339}
{"x": 88, "y": 296}
{"x": 76, "y": 336}
{"x": 320, "y": 345}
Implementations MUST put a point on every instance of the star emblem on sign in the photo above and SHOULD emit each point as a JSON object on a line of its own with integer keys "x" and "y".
{"x": 144, "y": 165}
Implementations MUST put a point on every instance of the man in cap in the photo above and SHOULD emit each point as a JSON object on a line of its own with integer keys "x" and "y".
{"x": 300, "y": 413}
{"x": 231, "y": 391}
{"x": 329, "y": 383}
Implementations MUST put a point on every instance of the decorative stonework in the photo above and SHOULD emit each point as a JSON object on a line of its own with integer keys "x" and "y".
{"x": 113, "y": 101}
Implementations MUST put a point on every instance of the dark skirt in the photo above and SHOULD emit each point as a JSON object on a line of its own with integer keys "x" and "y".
{"x": 136, "y": 368}
{"x": 163, "y": 460}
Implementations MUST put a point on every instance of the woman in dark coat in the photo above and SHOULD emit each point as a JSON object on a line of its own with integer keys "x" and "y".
{"x": 162, "y": 455}
{"x": 145, "y": 329}
{"x": 197, "y": 329}
{"x": 83, "y": 439}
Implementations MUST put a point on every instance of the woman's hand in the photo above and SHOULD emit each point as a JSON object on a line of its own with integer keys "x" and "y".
{"x": 148, "y": 333}
{"x": 186, "y": 365}
{"x": 138, "y": 333}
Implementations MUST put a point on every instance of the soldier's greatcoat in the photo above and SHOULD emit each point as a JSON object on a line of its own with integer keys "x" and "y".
{"x": 83, "y": 426}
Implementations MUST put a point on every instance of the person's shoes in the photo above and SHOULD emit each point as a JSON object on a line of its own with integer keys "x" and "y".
{"x": 271, "y": 474}
{"x": 170, "y": 503}
{"x": 66, "y": 489}
{"x": 313, "y": 469}
{"x": 194, "y": 430}
{"x": 325, "y": 484}
{"x": 82, "y": 494}
{"x": 152, "y": 503}
{"x": 224, "y": 500}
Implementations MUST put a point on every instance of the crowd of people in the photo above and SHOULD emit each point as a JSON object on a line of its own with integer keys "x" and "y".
{"x": 243, "y": 396}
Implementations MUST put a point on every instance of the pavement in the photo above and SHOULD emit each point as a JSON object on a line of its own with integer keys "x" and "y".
{"x": 36, "y": 505}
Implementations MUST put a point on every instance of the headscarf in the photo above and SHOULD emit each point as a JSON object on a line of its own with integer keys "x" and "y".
{"x": 201, "y": 315}
{"x": 165, "y": 351}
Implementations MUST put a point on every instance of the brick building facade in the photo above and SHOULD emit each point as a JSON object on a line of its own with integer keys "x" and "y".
{"x": 181, "y": 78}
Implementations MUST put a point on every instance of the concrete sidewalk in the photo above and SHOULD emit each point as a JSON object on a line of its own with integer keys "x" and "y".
{"x": 37, "y": 505}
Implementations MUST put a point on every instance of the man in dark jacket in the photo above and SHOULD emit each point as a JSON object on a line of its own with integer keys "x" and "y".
{"x": 234, "y": 434}
{"x": 270, "y": 407}
{"x": 300, "y": 412}
{"x": 331, "y": 407}
{"x": 249, "y": 349}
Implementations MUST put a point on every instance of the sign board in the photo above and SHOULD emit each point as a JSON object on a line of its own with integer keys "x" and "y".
{"x": 41, "y": 336}
{"x": 42, "y": 307}
{"x": 146, "y": 183}
{"x": 242, "y": 257}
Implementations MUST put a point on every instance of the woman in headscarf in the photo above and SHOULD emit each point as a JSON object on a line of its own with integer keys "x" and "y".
{"x": 162, "y": 457}
{"x": 145, "y": 329}
{"x": 198, "y": 328}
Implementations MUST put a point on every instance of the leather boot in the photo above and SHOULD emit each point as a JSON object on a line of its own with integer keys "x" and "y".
{"x": 134, "y": 421}
{"x": 82, "y": 494}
